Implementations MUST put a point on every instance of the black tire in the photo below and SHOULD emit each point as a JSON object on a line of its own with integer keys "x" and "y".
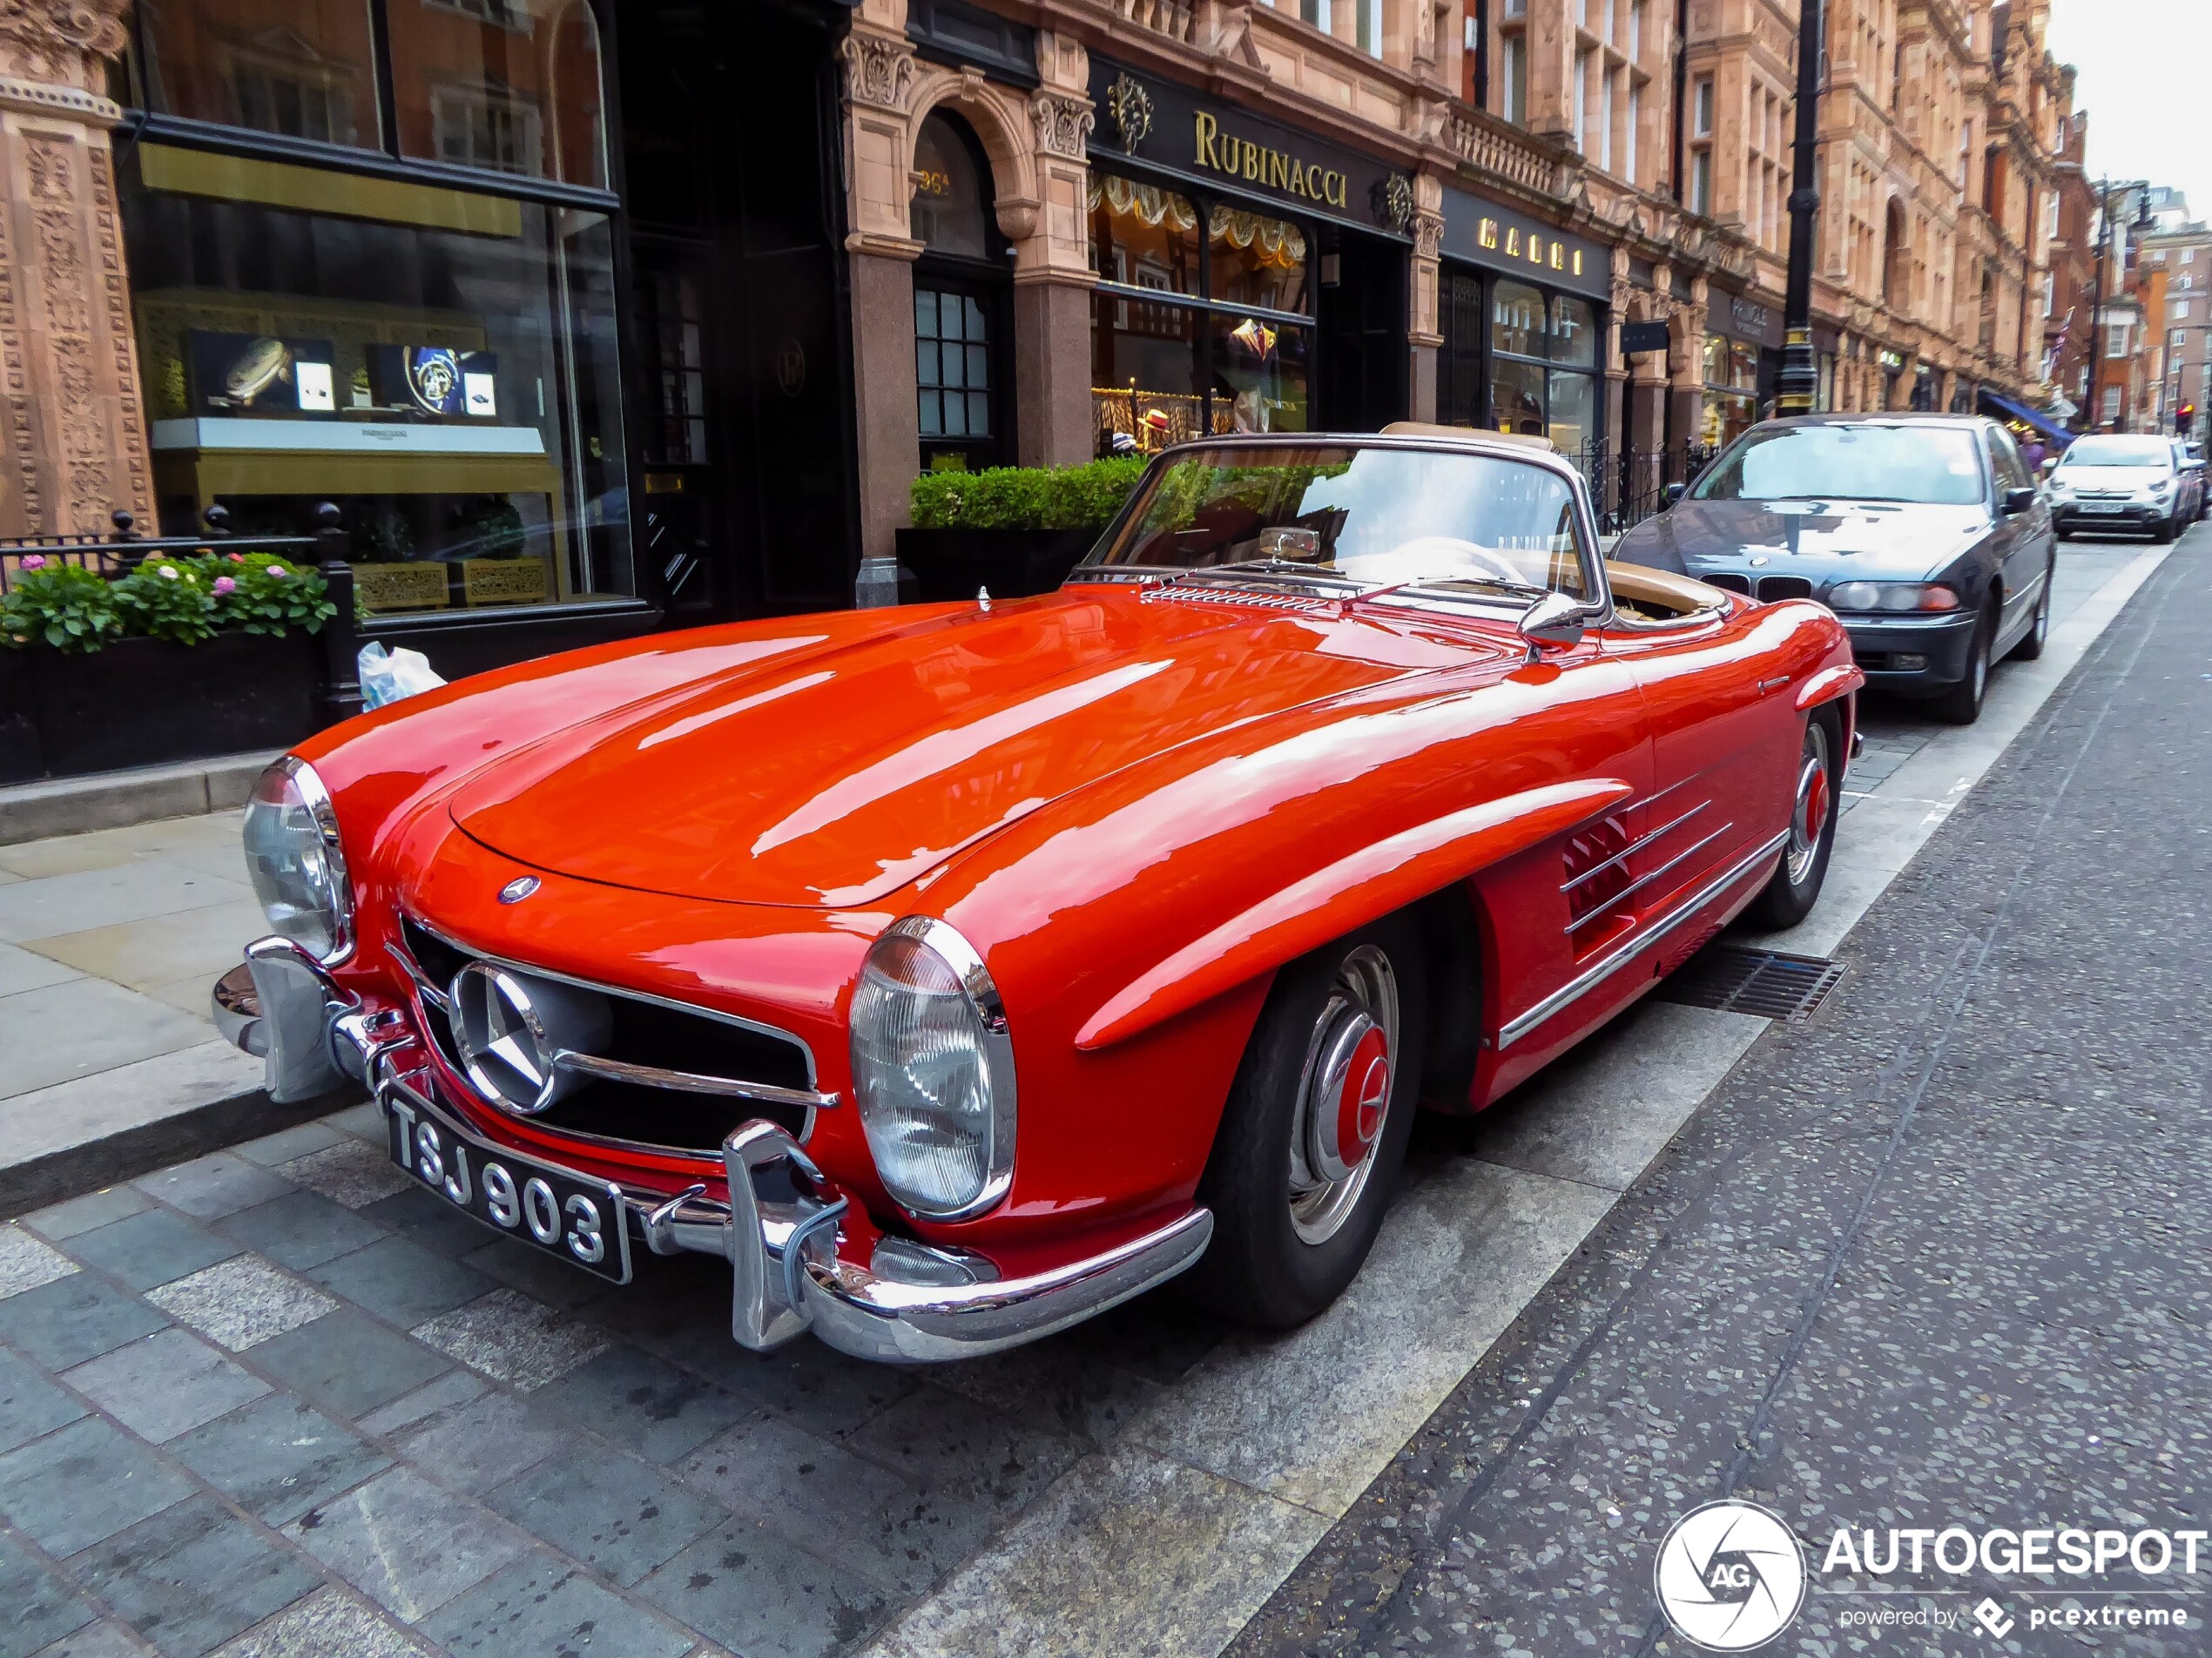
{"x": 1258, "y": 1269}
{"x": 2039, "y": 631}
{"x": 1961, "y": 703}
{"x": 1790, "y": 895}
{"x": 2162, "y": 533}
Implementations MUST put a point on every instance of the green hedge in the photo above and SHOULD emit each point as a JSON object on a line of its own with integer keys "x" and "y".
{"x": 1078, "y": 498}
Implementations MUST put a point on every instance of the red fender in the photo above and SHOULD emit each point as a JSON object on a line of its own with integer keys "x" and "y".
{"x": 1378, "y": 879}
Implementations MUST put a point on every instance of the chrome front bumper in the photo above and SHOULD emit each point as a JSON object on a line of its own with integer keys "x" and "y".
{"x": 779, "y": 1230}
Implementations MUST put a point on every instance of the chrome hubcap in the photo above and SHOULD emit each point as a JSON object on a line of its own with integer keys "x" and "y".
{"x": 1810, "y": 818}
{"x": 1344, "y": 1096}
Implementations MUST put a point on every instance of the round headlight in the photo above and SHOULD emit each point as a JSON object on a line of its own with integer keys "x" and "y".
{"x": 297, "y": 866}
{"x": 933, "y": 1071}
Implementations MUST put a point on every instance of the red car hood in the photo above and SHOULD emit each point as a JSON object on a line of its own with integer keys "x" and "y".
{"x": 835, "y": 773}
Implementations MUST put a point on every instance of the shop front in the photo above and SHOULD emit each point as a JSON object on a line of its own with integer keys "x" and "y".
{"x": 1249, "y": 277}
{"x": 1521, "y": 308}
{"x": 404, "y": 256}
{"x": 1742, "y": 362}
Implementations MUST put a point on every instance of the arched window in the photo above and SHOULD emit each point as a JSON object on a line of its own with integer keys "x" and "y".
{"x": 952, "y": 195}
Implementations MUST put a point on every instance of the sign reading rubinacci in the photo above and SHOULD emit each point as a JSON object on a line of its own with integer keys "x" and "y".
{"x": 1259, "y": 163}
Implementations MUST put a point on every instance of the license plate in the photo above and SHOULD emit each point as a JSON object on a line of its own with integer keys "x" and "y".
{"x": 2103, "y": 505}
{"x": 577, "y": 1219}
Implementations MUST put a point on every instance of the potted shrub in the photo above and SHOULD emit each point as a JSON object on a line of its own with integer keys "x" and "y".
{"x": 1013, "y": 530}
{"x": 181, "y": 658}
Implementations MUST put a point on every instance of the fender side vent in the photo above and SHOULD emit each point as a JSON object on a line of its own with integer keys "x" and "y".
{"x": 1736, "y": 979}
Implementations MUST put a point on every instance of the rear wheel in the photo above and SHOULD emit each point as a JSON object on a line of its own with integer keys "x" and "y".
{"x": 1315, "y": 1129}
{"x": 1789, "y": 896}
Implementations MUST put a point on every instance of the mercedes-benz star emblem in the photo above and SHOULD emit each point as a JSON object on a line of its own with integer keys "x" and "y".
{"x": 518, "y": 889}
{"x": 513, "y": 1029}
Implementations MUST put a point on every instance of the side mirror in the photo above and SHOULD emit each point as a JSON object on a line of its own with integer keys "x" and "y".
{"x": 2018, "y": 501}
{"x": 1554, "y": 619}
{"x": 2050, "y": 465}
{"x": 1675, "y": 492}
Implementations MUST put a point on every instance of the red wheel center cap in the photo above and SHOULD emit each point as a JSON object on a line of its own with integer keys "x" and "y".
{"x": 1366, "y": 1091}
{"x": 1815, "y": 807}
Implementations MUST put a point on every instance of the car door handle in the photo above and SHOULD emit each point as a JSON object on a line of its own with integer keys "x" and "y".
{"x": 1775, "y": 684}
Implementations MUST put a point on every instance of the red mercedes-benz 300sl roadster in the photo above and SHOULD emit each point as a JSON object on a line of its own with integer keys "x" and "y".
{"x": 955, "y": 972}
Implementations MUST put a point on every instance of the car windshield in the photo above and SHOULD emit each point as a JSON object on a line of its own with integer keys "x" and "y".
{"x": 1485, "y": 525}
{"x": 1848, "y": 461}
{"x": 2118, "y": 452}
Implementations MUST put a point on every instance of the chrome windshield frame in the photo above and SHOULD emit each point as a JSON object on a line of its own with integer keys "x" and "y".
{"x": 1597, "y": 607}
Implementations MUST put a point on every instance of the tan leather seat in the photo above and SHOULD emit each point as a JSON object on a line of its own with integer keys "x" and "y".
{"x": 1663, "y": 590}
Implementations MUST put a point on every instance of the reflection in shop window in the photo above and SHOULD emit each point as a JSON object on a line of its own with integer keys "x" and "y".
{"x": 1259, "y": 376}
{"x": 439, "y": 363}
{"x": 1517, "y": 319}
{"x": 1257, "y": 260}
{"x": 948, "y": 212}
{"x": 303, "y": 69}
{"x": 512, "y": 85}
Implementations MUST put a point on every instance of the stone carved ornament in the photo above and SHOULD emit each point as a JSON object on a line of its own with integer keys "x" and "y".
{"x": 60, "y": 41}
{"x": 1129, "y": 107}
{"x": 1061, "y": 123}
{"x": 879, "y": 69}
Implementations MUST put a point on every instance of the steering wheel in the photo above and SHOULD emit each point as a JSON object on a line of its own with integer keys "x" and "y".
{"x": 1438, "y": 557}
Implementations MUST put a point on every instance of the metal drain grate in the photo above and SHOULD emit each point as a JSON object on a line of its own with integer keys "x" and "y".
{"x": 1766, "y": 982}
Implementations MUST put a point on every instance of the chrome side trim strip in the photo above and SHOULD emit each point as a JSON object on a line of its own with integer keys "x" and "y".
{"x": 1635, "y": 846}
{"x": 1629, "y": 949}
{"x": 1648, "y": 877}
{"x": 429, "y": 992}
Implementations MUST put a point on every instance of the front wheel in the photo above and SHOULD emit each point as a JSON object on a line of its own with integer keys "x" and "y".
{"x": 2162, "y": 532}
{"x": 1961, "y": 703}
{"x": 1788, "y": 898}
{"x": 1315, "y": 1129}
{"x": 2031, "y": 645}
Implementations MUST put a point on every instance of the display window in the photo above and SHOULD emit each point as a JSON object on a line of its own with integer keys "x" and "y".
{"x": 1731, "y": 402}
{"x": 439, "y": 363}
{"x": 1191, "y": 332}
{"x": 434, "y": 354}
{"x": 1543, "y": 366}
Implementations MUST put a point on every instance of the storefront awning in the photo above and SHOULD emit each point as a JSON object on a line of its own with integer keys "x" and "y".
{"x": 2058, "y": 435}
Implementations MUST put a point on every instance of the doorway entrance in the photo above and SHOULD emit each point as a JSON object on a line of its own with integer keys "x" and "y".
{"x": 738, "y": 338}
{"x": 963, "y": 304}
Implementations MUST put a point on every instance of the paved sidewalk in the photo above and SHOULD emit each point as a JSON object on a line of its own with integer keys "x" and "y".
{"x": 109, "y": 943}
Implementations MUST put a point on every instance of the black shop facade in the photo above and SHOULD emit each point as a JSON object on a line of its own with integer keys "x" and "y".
{"x": 1523, "y": 309}
{"x": 1251, "y": 277}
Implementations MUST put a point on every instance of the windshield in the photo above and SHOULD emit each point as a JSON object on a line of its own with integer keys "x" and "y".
{"x": 1375, "y": 516}
{"x": 2119, "y": 452}
{"x": 1931, "y": 465}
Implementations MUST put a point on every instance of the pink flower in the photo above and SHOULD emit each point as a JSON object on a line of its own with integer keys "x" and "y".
{"x": 279, "y": 570}
{"x": 225, "y": 584}
{"x": 238, "y": 558}
{"x": 34, "y": 561}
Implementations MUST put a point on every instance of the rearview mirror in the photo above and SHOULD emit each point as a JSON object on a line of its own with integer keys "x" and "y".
{"x": 2018, "y": 500}
{"x": 1554, "y": 619}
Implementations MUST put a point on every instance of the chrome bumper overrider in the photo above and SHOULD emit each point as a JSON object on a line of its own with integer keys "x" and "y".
{"x": 779, "y": 1231}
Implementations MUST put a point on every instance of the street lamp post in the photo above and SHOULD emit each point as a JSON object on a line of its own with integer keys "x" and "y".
{"x": 1799, "y": 384}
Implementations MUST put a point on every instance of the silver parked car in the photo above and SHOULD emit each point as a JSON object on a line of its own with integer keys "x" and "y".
{"x": 2112, "y": 480}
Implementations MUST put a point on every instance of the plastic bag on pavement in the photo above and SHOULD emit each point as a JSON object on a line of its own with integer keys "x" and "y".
{"x": 386, "y": 676}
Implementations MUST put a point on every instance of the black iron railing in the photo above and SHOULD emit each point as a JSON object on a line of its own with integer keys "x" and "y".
{"x": 117, "y": 554}
{"x": 1628, "y": 485}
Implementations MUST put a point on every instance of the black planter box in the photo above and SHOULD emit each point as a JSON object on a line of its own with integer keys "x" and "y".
{"x": 146, "y": 702}
{"x": 20, "y": 758}
{"x": 950, "y": 564}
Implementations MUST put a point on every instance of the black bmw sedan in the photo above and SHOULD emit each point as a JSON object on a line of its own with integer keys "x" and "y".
{"x": 1923, "y": 532}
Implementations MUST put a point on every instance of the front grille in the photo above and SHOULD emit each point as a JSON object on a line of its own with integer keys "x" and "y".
{"x": 1736, "y": 979}
{"x": 1774, "y": 589}
{"x": 645, "y": 1032}
{"x": 1730, "y": 579}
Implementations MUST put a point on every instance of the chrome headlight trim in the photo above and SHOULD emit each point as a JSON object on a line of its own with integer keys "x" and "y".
{"x": 983, "y": 994}
{"x": 301, "y": 779}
